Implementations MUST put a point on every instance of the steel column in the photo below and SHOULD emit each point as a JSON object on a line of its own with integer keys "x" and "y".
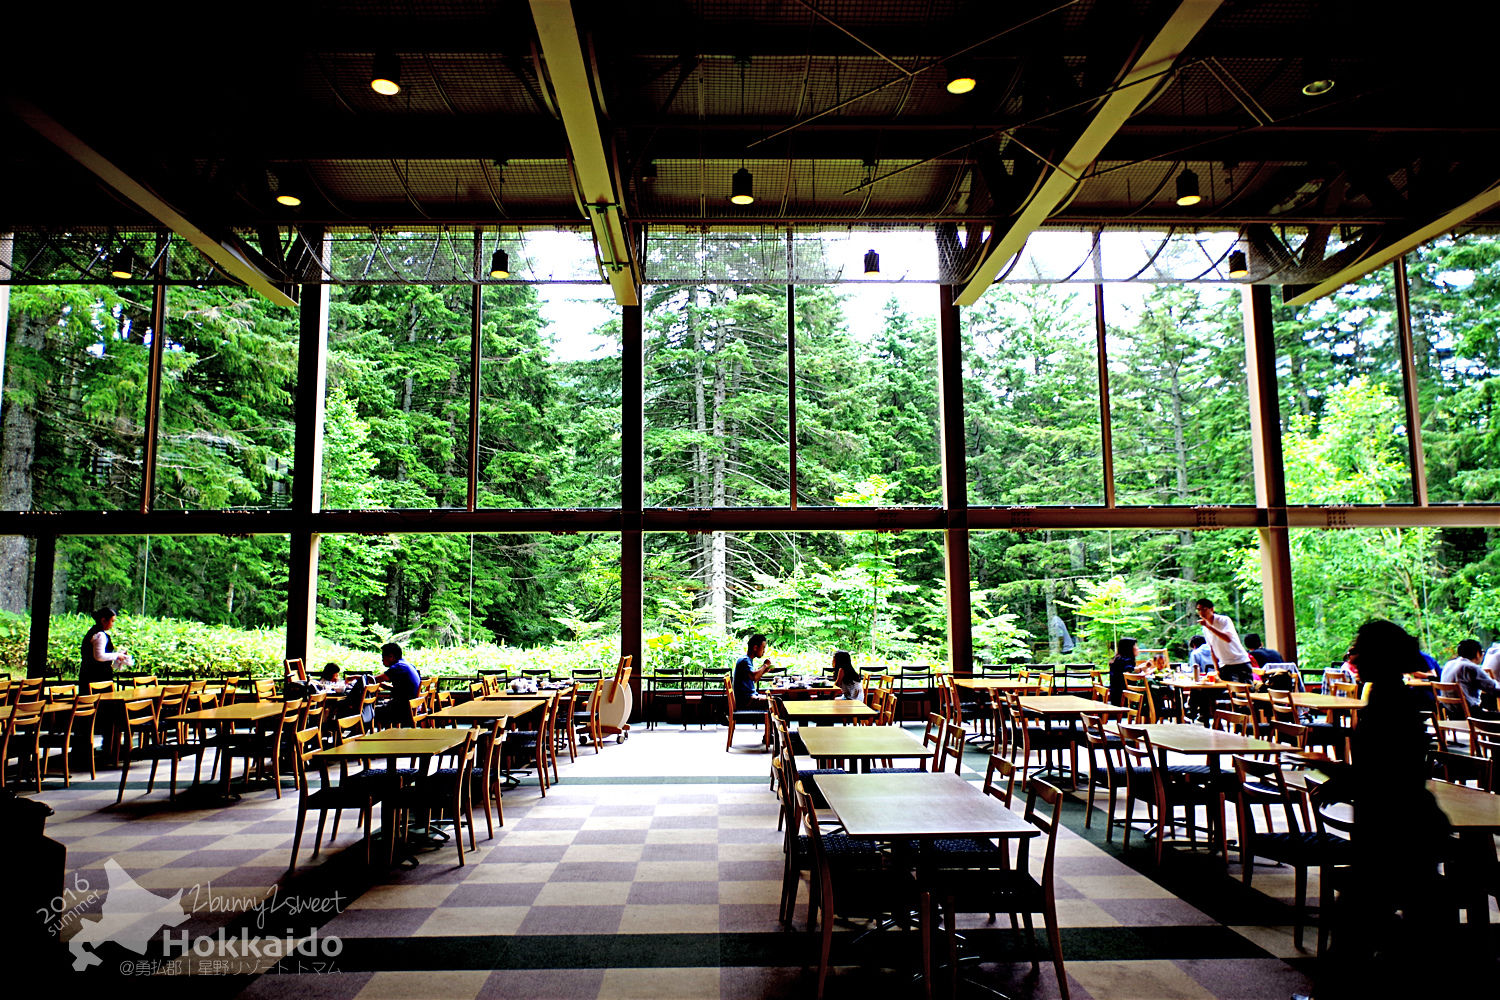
{"x": 1106, "y": 433}
{"x": 1418, "y": 458}
{"x": 153, "y": 377}
{"x": 476, "y": 312}
{"x": 307, "y": 463}
{"x": 1270, "y": 474}
{"x": 43, "y": 564}
{"x": 791, "y": 390}
{"x": 632, "y": 493}
{"x": 955, "y": 483}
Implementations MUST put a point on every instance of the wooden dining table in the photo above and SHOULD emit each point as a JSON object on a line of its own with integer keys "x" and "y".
{"x": 996, "y": 684}
{"x": 862, "y": 744}
{"x": 488, "y": 709}
{"x": 224, "y": 718}
{"x": 837, "y": 710}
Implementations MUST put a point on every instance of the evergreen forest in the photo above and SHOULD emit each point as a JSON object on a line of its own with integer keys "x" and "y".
{"x": 717, "y": 419}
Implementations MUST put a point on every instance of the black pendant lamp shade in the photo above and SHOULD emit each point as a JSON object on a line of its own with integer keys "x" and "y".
{"x": 742, "y": 188}
{"x": 1187, "y": 189}
{"x": 499, "y": 264}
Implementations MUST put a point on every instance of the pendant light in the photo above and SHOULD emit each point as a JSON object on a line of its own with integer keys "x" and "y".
{"x": 1317, "y": 76}
{"x": 122, "y": 264}
{"x": 960, "y": 77}
{"x": 1239, "y": 265}
{"x": 385, "y": 74}
{"x": 742, "y": 188}
{"x": 499, "y": 265}
{"x": 1187, "y": 189}
{"x": 872, "y": 264}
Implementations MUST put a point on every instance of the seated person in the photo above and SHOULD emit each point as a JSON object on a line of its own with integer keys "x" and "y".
{"x": 1261, "y": 654}
{"x": 1464, "y": 671}
{"x": 402, "y": 681}
{"x": 745, "y": 673}
{"x": 1201, "y": 657}
{"x": 845, "y": 677}
{"x": 330, "y": 682}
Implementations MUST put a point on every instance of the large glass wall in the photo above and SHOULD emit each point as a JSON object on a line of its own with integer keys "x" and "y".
{"x": 1031, "y": 397}
{"x": 1179, "y": 411}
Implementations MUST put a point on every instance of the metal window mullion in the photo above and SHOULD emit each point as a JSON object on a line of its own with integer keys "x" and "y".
{"x": 153, "y": 375}
{"x": 791, "y": 389}
{"x": 476, "y": 315}
{"x": 1106, "y": 432}
{"x": 955, "y": 483}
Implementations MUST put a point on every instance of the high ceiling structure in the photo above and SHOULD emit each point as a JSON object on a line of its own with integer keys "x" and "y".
{"x": 632, "y": 118}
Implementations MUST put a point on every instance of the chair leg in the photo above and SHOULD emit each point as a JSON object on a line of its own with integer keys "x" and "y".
{"x": 1030, "y": 938}
{"x": 151, "y": 781}
{"x": 297, "y": 839}
{"x": 318, "y": 840}
{"x": 124, "y": 773}
{"x": 1054, "y": 942}
{"x": 1301, "y": 875}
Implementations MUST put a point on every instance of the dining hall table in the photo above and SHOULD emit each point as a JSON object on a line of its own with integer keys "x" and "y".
{"x": 823, "y": 711}
{"x": 224, "y": 719}
{"x": 861, "y": 745}
{"x": 487, "y": 709}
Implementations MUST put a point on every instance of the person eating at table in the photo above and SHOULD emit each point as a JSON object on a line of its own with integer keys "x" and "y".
{"x": 746, "y": 674}
{"x": 1464, "y": 670}
{"x": 403, "y": 682}
{"x": 99, "y": 655}
{"x": 845, "y": 677}
{"x": 1122, "y": 664}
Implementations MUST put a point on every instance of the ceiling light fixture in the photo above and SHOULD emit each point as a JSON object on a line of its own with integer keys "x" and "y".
{"x": 499, "y": 265}
{"x": 1187, "y": 189}
{"x": 872, "y": 264}
{"x": 385, "y": 74}
{"x": 1239, "y": 265}
{"x": 289, "y": 200}
{"x": 960, "y": 78}
{"x": 122, "y": 265}
{"x": 742, "y": 188}
{"x": 1317, "y": 77}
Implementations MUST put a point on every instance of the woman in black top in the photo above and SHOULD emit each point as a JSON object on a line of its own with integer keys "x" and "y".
{"x": 1122, "y": 664}
{"x": 98, "y": 655}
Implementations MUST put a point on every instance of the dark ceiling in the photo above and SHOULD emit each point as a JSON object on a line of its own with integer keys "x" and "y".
{"x": 837, "y": 108}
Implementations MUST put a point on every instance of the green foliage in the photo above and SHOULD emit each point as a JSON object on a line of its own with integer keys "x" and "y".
{"x": 1111, "y": 610}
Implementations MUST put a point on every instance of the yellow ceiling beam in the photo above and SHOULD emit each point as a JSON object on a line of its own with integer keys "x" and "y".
{"x": 593, "y": 168}
{"x": 223, "y": 257}
{"x": 1480, "y": 203}
{"x": 1132, "y": 88}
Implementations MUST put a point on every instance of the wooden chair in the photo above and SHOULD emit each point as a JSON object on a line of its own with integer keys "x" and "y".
{"x": 1484, "y": 739}
{"x": 143, "y": 680}
{"x": 1233, "y": 722}
{"x": 101, "y": 687}
{"x": 77, "y": 733}
{"x": 485, "y": 781}
{"x": 1172, "y": 790}
{"x": 1136, "y": 701}
{"x": 337, "y": 797}
{"x": 261, "y": 745}
{"x": 1107, "y": 766}
{"x": 23, "y": 735}
{"x": 265, "y": 690}
{"x": 934, "y": 736}
{"x": 586, "y": 722}
{"x": 1012, "y": 889}
{"x": 232, "y": 685}
{"x": 844, "y": 884}
{"x": 733, "y": 715}
{"x": 1262, "y": 783}
{"x": 533, "y": 747}
{"x": 446, "y": 792}
{"x": 143, "y": 741}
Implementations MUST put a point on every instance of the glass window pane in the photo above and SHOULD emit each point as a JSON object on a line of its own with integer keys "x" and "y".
{"x": 75, "y": 392}
{"x": 867, "y": 395}
{"x": 1179, "y": 411}
{"x": 229, "y": 376}
{"x": 1342, "y": 410}
{"x": 716, "y": 400}
{"x": 397, "y": 418}
{"x": 1455, "y": 299}
{"x": 1032, "y": 397}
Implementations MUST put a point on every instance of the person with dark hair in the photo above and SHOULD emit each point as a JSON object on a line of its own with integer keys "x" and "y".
{"x": 1261, "y": 653}
{"x": 845, "y": 677}
{"x": 1224, "y": 642}
{"x": 1399, "y": 835}
{"x": 745, "y": 672}
{"x": 403, "y": 681}
{"x": 1122, "y": 664}
{"x": 1200, "y": 656}
{"x": 1464, "y": 670}
{"x": 99, "y": 657}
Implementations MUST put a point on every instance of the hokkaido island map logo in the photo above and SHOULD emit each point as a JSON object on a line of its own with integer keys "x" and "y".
{"x": 135, "y": 919}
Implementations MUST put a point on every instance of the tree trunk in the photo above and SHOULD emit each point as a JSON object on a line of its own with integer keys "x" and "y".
{"x": 17, "y": 453}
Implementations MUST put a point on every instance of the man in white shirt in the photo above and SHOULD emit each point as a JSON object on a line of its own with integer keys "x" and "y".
{"x": 1224, "y": 642}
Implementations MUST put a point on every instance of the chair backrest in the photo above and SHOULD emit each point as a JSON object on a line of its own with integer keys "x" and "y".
{"x": 1282, "y": 708}
{"x": 1135, "y": 700}
{"x": 26, "y": 714}
{"x": 140, "y": 718}
{"x": 477, "y": 689}
{"x": 1046, "y": 819}
{"x": 1260, "y": 782}
{"x": 305, "y": 743}
{"x": 952, "y": 749}
{"x": 1450, "y": 702}
{"x": 101, "y": 687}
{"x": 144, "y": 680}
{"x": 1344, "y": 689}
{"x": 1290, "y": 733}
{"x": 932, "y": 736}
{"x": 85, "y": 706}
{"x": 349, "y": 724}
{"x": 1232, "y": 722}
{"x": 295, "y": 667}
{"x": 62, "y": 692}
{"x": 265, "y": 690}
{"x": 1000, "y": 778}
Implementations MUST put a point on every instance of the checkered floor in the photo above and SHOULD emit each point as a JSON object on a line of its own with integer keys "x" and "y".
{"x": 651, "y": 870}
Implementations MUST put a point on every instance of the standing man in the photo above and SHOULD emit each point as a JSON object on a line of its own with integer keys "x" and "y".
{"x": 745, "y": 673}
{"x": 403, "y": 682}
{"x": 1224, "y": 642}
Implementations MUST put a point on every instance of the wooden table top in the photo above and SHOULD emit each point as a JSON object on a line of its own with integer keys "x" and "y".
{"x": 434, "y": 741}
{"x": 486, "y": 709}
{"x": 247, "y": 711}
{"x": 1467, "y": 808}
{"x": 900, "y": 806}
{"x": 862, "y": 742}
{"x": 1068, "y": 704}
{"x": 996, "y": 683}
{"x": 399, "y": 733}
{"x": 67, "y": 706}
{"x": 835, "y": 709}
{"x": 1319, "y": 702}
{"x": 1191, "y": 684}
{"x": 1209, "y": 742}
{"x": 131, "y": 694}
